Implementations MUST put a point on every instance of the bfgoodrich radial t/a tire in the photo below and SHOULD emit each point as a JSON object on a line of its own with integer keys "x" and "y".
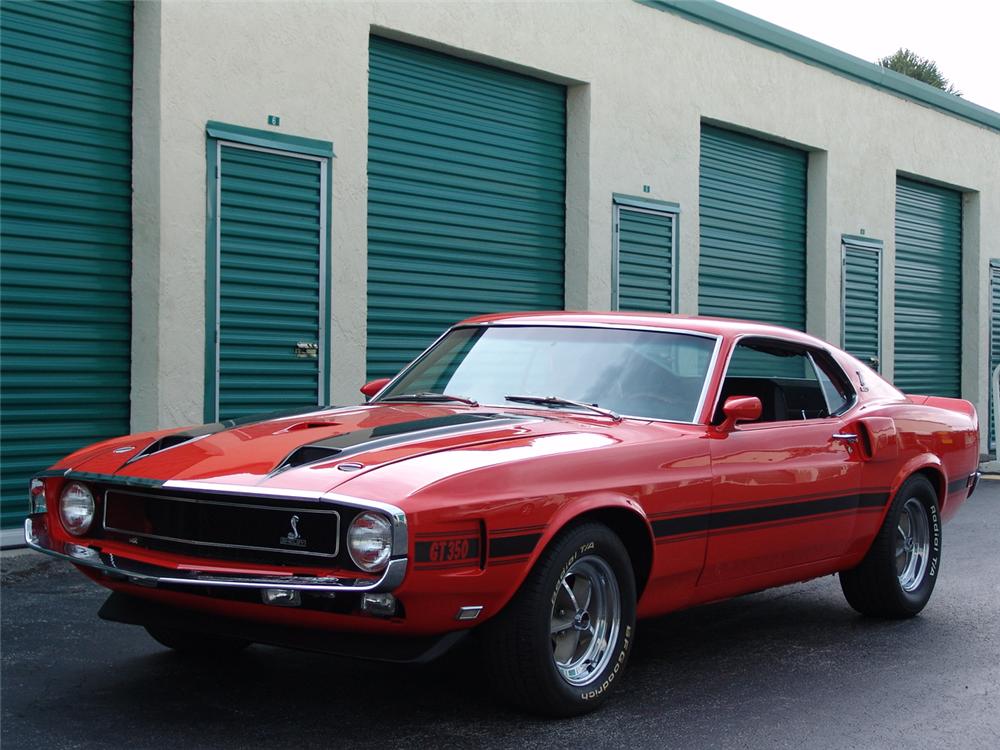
{"x": 897, "y": 576}
{"x": 564, "y": 640}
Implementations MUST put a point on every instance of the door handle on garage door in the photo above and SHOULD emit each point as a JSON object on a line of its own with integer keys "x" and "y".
{"x": 307, "y": 350}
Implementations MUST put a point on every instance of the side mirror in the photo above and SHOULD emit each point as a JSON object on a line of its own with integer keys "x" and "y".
{"x": 370, "y": 389}
{"x": 740, "y": 409}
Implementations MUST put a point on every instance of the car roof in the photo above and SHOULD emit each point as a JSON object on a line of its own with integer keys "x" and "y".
{"x": 726, "y": 327}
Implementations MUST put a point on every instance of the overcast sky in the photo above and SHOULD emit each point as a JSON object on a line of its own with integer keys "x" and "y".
{"x": 959, "y": 35}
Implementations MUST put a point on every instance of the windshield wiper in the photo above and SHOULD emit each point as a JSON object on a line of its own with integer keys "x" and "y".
{"x": 558, "y": 401}
{"x": 432, "y": 397}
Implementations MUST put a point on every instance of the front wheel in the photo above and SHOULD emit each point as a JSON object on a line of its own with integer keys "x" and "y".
{"x": 897, "y": 576}
{"x": 563, "y": 641}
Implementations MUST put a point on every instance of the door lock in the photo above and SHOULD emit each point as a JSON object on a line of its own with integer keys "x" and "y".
{"x": 307, "y": 350}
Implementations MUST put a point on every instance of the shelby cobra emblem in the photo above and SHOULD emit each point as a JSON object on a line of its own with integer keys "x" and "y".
{"x": 293, "y": 538}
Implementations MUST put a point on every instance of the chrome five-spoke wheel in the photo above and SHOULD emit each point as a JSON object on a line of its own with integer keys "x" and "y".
{"x": 586, "y": 618}
{"x": 913, "y": 543}
{"x": 561, "y": 645}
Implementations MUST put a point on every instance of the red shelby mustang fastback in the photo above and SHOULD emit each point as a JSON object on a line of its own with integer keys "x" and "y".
{"x": 544, "y": 479}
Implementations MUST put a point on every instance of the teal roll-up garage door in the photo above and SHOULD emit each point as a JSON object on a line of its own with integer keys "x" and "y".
{"x": 861, "y": 301}
{"x": 65, "y": 189}
{"x": 271, "y": 280}
{"x": 466, "y": 194}
{"x": 752, "y": 203}
{"x": 645, "y": 259}
{"x": 928, "y": 350}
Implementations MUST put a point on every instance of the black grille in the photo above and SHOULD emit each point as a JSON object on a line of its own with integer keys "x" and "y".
{"x": 227, "y": 527}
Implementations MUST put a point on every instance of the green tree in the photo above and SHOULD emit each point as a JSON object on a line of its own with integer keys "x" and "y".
{"x": 909, "y": 63}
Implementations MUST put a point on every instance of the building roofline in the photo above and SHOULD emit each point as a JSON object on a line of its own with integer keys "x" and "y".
{"x": 757, "y": 31}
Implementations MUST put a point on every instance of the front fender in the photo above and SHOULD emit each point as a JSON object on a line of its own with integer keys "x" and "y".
{"x": 597, "y": 505}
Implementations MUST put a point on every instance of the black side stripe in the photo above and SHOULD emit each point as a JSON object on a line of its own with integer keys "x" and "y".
{"x": 511, "y": 546}
{"x": 704, "y": 522}
{"x": 958, "y": 484}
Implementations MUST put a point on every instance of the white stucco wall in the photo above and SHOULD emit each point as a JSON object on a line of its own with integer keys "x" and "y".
{"x": 640, "y": 83}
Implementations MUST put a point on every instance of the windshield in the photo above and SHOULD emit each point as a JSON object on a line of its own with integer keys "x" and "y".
{"x": 660, "y": 375}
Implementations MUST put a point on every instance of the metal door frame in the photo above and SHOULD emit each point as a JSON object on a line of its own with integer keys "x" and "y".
{"x": 642, "y": 206}
{"x": 864, "y": 244}
{"x": 212, "y": 386}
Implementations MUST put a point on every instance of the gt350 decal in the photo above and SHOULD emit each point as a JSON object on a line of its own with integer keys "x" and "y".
{"x": 446, "y": 550}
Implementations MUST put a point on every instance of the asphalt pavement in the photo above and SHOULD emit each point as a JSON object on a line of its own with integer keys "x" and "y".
{"x": 787, "y": 668}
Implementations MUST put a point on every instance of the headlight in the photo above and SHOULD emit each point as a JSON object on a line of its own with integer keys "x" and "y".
{"x": 76, "y": 508}
{"x": 369, "y": 540}
{"x": 36, "y": 497}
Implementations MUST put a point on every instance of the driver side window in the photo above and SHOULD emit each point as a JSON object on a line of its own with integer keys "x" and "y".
{"x": 792, "y": 382}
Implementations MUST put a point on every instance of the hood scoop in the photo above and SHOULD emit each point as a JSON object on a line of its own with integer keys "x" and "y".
{"x": 387, "y": 436}
{"x": 157, "y": 446}
{"x": 306, "y": 454}
{"x": 172, "y": 441}
{"x": 312, "y": 425}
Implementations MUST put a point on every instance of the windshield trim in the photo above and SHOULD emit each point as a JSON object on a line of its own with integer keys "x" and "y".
{"x": 709, "y": 372}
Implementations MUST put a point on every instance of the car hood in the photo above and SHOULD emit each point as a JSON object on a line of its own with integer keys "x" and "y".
{"x": 324, "y": 449}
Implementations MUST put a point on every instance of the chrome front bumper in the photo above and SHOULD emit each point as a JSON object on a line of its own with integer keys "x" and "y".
{"x": 144, "y": 574}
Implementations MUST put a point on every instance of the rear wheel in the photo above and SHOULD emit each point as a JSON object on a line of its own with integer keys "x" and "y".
{"x": 196, "y": 644}
{"x": 897, "y": 576}
{"x": 563, "y": 641}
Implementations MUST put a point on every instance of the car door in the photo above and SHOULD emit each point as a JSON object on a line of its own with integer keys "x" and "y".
{"x": 786, "y": 488}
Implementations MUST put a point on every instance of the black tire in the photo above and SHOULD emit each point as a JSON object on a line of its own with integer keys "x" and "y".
{"x": 876, "y": 587}
{"x": 519, "y": 645}
{"x": 190, "y": 643}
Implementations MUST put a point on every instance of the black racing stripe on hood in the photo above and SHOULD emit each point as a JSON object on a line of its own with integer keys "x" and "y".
{"x": 184, "y": 436}
{"x": 386, "y": 436}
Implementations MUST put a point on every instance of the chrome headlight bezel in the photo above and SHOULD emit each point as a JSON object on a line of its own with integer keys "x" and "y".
{"x": 77, "y": 508}
{"x": 369, "y": 541}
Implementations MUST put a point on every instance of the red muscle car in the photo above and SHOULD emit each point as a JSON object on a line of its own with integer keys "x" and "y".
{"x": 541, "y": 479}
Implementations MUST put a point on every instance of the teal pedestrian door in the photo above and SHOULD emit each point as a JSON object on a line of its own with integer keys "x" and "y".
{"x": 861, "y": 299}
{"x": 270, "y": 280}
{"x": 644, "y": 271}
{"x": 994, "y": 339}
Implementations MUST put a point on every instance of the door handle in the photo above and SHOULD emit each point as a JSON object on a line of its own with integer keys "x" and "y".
{"x": 306, "y": 350}
{"x": 848, "y": 436}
